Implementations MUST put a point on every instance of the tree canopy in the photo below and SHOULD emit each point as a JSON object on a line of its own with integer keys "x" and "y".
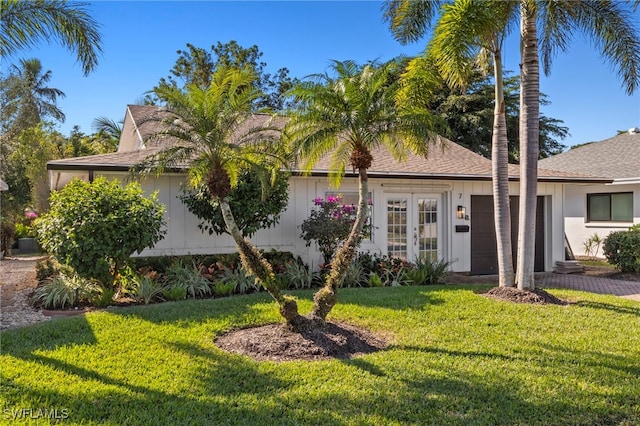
{"x": 196, "y": 65}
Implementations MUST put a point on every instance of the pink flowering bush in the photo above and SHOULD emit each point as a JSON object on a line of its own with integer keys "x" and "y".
{"x": 328, "y": 225}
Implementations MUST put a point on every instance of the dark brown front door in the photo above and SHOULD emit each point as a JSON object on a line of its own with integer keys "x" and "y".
{"x": 484, "y": 258}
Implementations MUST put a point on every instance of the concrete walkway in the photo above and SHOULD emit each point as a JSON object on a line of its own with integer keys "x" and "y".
{"x": 626, "y": 289}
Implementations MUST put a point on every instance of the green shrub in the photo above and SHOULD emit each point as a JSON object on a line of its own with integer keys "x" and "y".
{"x": 297, "y": 275}
{"x": 49, "y": 268}
{"x": 147, "y": 290}
{"x": 375, "y": 280}
{"x": 354, "y": 276}
{"x": 426, "y": 272}
{"x": 174, "y": 293}
{"x": 64, "y": 291}
{"x": 221, "y": 288}
{"x": 95, "y": 227}
{"x": 250, "y": 216}
{"x": 622, "y": 249}
{"x": 103, "y": 297}
{"x": 24, "y": 231}
{"x": 189, "y": 278}
{"x": 242, "y": 283}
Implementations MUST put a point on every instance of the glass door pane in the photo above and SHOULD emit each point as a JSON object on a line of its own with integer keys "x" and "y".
{"x": 397, "y": 227}
{"x": 427, "y": 228}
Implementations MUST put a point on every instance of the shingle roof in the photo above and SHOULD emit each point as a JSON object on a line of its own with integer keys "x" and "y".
{"x": 445, "y": 161}
{"x": 616, "y": 158}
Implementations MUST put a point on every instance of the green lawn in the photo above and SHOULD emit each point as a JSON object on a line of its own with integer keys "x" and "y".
{"x": 455, "y": 358}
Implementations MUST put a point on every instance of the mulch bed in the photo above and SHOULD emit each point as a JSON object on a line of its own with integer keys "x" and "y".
{"x": 535, "y": 297}
{"x": 274, "y": 342}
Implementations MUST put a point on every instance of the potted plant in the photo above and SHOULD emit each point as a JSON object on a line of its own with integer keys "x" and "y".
{"x": 26, "y": 235}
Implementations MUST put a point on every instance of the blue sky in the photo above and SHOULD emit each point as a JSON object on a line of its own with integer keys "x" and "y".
{"x": 140, "y": 40}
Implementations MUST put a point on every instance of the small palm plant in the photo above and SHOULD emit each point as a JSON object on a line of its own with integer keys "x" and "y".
{"x": 348, "y": 117}
{"x": 215, "y": 133}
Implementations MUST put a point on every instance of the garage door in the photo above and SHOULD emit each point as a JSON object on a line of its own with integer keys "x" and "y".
{"x": 484, "y": 257}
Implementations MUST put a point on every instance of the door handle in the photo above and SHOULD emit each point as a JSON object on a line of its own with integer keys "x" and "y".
{"x": 415, "y": 236}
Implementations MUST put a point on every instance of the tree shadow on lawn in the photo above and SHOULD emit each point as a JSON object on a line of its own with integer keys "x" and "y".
{"x": 198, "y": 310}
{"x": 48, "y": 335}
{"x": 625, "y": 310}
{"x": 396, "y": 298}
{"x": 573, "y": 358}
{"x": 505, "y": 402}
{"x": 220, "y": 384}
{"x": 428, "y": 401}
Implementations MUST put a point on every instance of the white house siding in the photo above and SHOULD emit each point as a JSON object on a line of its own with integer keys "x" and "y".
{"x": 184, "y": 237}
{"x": 578, "y": 229}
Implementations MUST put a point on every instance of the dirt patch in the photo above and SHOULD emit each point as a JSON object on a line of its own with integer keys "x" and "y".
{"x": 535, "y": 297}
{"x": 274, "y": 342}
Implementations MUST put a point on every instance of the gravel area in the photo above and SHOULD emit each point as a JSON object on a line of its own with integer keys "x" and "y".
{"x": 17, "y": 280}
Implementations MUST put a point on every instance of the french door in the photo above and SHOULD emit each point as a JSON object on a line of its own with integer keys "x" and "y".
{"x": 412, "y": 226}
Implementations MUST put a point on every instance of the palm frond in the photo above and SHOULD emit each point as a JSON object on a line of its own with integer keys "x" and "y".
{"x": 610, "y": 26}
{"x": 26, "y": 23}
{"x": 409, "y": 19}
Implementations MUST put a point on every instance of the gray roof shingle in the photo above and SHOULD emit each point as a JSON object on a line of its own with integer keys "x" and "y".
{"x": 616, "y": 158}
{"x": 446, "y": 161}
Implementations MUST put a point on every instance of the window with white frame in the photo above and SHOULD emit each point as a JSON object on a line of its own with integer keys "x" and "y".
{"x": 610, "y": 207}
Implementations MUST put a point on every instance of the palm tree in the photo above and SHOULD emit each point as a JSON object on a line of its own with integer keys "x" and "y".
{"x": 107, "y": 134}
{"x": 466, "y": 33}
{"x": 346, "y": 117}
{"x": 30, "y": 99}
{"x": 612, "y": 29}
{"x": 25, "y": 23}
{"x": 213, "y": 131}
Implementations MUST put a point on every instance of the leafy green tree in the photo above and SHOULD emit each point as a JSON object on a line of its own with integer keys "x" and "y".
{"x": 95, "y": 227}
{"x": 77, "y": 144}
{"x": 197, "y": 65}
{"x": 348, "y": 115}
{"x": 25, "y": 139}
{"x": 250, "y": 215}
{"x": 34, "y": 148}
{"x": 25, "y": 23}
{"x": 612, "y": 28}
{"x": 214, "y": 132}
{"x": 468, "y": 113}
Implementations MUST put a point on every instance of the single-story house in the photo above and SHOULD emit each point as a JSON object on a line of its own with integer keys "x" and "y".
{"x": 600, "y": 208}
{"x": 439, "y": 206}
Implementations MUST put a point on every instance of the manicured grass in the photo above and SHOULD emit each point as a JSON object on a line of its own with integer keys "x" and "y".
{"x": 456, "y": 358}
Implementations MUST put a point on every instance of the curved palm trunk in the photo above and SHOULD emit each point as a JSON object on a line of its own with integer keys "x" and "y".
{"x": 500, "y": 179}
{"x": 325, "y": 299}
{"x": 257, "y": 266}
{"x": 529, "y": 144}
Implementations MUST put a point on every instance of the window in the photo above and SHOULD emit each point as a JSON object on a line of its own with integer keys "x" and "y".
{"x": 614, "y": 207}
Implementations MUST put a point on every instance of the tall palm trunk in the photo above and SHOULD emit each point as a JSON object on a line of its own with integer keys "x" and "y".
{"x": 256, "y": 265}
{"x": 500, "y": 178}
{"x": 326, "y": 298}
{"x": 529, "y": 144}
